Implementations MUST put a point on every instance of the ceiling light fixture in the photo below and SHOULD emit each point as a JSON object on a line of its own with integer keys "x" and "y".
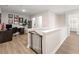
{"x": 23, "y": 10}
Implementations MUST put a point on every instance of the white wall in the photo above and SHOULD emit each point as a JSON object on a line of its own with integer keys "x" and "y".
{"x": 56, "y": 20}
{"x": 50, "y": 19}
{"x": 4, "y": 16}
{"x": 60, "y": 20}
{"x": 44, "y": 18}
{"x": 0, "y": 10}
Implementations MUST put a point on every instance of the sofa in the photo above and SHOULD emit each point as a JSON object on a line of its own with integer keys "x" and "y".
{"x": 6, "y": 35}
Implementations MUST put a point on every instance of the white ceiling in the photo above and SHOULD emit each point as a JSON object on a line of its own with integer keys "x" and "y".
{"x": 32, "y": 9}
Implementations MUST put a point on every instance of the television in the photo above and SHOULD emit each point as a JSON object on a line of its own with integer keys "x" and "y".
{"x": 8, "y": 26}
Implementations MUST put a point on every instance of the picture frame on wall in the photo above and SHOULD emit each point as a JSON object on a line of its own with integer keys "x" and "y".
{"x": 16, "y": 16}
{"x": 21, "y": 20}
{"x": 10, "y": 15}
{"x": 10, "y": 21}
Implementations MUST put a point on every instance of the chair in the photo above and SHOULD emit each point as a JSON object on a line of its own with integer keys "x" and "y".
{"x": 15, "y": 31}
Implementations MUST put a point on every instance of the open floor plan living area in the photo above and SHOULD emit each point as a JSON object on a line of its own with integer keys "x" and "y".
{"x": 39, "y": 29}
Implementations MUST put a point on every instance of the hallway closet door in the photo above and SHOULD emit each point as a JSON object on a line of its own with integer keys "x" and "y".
{"x": 73, "y": 20}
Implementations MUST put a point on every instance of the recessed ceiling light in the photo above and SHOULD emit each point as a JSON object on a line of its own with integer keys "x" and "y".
{"x": 23, "y": 10}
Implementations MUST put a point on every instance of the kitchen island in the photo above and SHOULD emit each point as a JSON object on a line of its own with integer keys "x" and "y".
{"x": 46, "y": 40}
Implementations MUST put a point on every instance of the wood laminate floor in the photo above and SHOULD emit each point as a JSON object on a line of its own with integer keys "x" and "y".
{"x": 70, "y": 45}
{"x": 17, "y": 46}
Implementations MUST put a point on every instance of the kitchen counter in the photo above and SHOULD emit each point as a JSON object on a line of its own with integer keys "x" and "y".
{"x": 43, "y": 31}
{"x": 52, "y": 38}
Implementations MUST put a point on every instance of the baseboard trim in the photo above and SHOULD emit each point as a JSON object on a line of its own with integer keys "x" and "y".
{"x": 58, "y": 46}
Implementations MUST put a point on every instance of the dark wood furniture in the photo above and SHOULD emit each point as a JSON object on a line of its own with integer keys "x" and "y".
{"x": 6, "y": 36}
{"x": 29, "y": 24}
{"x": 15, "y": 29}
{"x": 21, "y": 31}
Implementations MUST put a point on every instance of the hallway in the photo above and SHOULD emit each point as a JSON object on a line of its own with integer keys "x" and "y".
{"x": 70, "y": 45}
